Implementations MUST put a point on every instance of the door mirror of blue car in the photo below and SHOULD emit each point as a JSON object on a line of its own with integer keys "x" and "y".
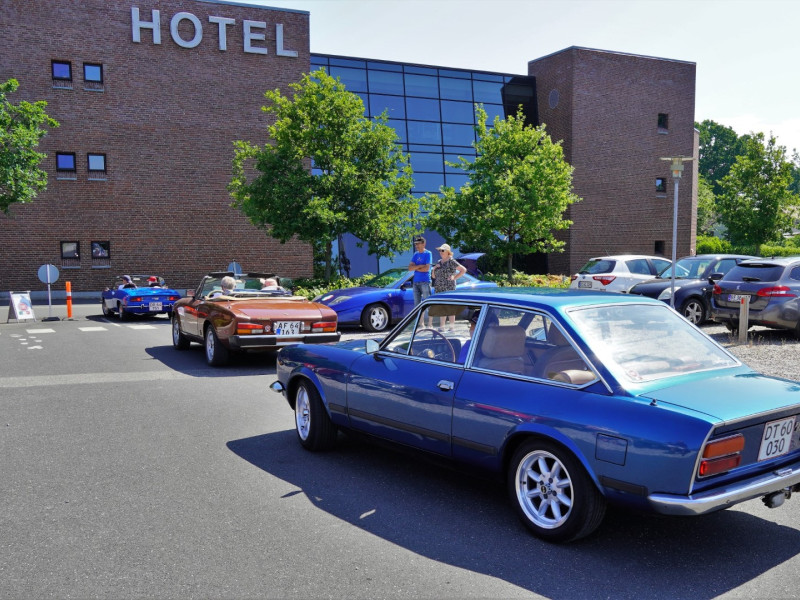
{"x": 371, "y": 346}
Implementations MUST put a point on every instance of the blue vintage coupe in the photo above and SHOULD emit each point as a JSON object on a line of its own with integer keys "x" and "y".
{"x": 383, "y": 300}
{"x": 132, "y": 295}
{"x": 577, "y": 399}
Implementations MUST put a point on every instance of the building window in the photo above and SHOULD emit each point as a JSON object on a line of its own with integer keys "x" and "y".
{"x": 70, "y": 255}
{"x": 661, "y": 185}
{"x": 62, "y": 74}
{"x": 96, "y": 166}
{"x": 658, "y": 248}
{"x": 93, "y": 77}
{"x": 663, "y": 123}
{"x": 65, "y": 165}
{"x": 101, "y": 255}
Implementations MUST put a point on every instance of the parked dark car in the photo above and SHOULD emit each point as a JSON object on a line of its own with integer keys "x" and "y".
{"x": 692, "y": 286}
{"x": 773, "y": 287}
{"x": 576, "y": 399}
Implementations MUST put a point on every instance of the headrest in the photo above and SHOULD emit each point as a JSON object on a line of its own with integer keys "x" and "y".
{"x": 503, "y": 341}
{"x": 555, "y": 337}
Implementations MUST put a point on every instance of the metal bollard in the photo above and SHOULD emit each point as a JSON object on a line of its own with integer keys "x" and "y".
{"x": 744, "y": 313}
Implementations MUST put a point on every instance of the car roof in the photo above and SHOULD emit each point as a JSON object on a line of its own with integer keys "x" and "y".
{"x": 542, "y": 298}
{"x": 705, "y": 256}
{"x": 775, "y": 260}
{"x": 627, "y": 257}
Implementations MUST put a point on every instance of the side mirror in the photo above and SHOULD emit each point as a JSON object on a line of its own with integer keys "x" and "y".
{"x": 371, "y": 346}
{"x": 715, "y": 277}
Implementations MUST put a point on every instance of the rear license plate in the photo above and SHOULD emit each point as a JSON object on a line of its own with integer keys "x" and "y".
{"x": 287, "y": 327}
{"x": 156, "y": 306}
{"x": 777, "y": 438}
{"x": 735, "y": 297}
{"x": 584, "y": 284}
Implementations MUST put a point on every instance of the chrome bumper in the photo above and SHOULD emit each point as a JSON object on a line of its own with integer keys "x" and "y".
{"x": 723, "y": 497}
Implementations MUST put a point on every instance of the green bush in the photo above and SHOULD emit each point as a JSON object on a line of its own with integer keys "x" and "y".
{"x": 779, "y": 250}
{"x": 707, "y": 244}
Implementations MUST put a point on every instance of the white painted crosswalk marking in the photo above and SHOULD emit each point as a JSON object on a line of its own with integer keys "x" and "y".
{"x": 92, "y": 329}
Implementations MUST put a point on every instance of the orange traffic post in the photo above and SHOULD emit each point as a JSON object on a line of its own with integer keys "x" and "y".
{"x": 69, "y": 300}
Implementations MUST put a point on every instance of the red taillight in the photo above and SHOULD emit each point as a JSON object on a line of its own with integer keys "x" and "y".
{"x": 779, "y": 290}
{"x": 136, "y": 299}
{"x": 717, "y": 290}
{"x": 173, "y": 298}
{"x": 721, "y": 455}
{"x": 604, "y": 279}
{"x": 574, "y": 277}
{"x": 249, "y": 328}
{"x": 324, "y": 327}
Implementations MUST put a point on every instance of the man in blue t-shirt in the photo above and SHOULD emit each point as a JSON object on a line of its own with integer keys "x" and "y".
{"x": 421, "y": 265}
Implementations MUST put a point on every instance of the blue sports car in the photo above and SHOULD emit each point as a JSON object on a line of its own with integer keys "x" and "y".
{"x": 383, "y": 300}
{"x": 576, "y": 399}
{"x": 138, "y": 295}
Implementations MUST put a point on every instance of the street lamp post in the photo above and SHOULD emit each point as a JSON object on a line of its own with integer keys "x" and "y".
{"x": 677, "y": 171}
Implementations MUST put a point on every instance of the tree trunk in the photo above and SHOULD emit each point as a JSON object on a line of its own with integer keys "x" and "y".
{"x": 328, "y": 259}
{"x": 510, "y": 271}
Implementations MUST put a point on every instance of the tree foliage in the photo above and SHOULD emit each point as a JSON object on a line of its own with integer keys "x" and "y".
{"x": 325, "y": 171}
{"x": 706, "y": 207}
{"x": 519, "y": 187}
{"x": 756, "y": 203}
{"x": 22, "y": 126}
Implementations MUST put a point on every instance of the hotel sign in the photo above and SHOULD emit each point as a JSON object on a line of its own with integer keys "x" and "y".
{"x": 254, "y": 33}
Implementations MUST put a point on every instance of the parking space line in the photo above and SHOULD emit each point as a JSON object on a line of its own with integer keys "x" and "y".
{"x": 92, "y": 329}
{"x": 32, "y": 331}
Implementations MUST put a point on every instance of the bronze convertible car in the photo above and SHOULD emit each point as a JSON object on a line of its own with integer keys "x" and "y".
{"x": 248, "y": 318}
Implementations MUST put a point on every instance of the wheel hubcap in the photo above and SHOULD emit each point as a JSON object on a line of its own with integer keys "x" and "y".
{"x": 378, "y": 318}
{"x": 210, "y": 345}
{"x": 544, "y": 489}
{"x": 693, "y": 312}
{"x": 301, "y": 413}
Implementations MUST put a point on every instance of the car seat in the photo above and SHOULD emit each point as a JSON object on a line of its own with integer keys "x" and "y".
{"x": 503, "y": 349}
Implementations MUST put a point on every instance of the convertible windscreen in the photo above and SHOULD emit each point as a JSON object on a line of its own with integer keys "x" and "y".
{"x": 647, "y": 344}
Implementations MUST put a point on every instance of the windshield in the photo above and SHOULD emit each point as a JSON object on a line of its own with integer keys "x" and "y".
{"x": 245, "y": 284}
{"x": 640, "y": 343}
{"x": 686, "y": 268}
{"x": 387, "y": 278}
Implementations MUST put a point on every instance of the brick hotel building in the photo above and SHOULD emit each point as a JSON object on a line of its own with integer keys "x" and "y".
{"x": 151, "y": 94}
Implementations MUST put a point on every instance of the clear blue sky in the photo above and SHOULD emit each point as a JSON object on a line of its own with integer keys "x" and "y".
{"x": 745, "y": 50}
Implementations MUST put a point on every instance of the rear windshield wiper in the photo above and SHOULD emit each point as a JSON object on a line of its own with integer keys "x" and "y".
{"x": 751, "y": 279}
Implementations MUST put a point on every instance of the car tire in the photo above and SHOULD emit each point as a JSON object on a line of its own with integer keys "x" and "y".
{"x": 694, "y": 311}
{"x": 216, "y": 353}
{"x": 179, "y": 341}
{"x": 552, "y": 493}
{"x": 123, "y": 316}
{"x": 315, "y": 430}
{"x": 106, "y": 311}
{"x": 375, "y": 317}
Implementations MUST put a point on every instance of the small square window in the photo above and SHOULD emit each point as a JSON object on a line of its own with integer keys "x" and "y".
{"x": 70, "y": 250}
{"x": 663, "y": 122}
{"x": 96, "y": 163}
{"x": 661, "y": 185}
{"x": 93, "y": 72}
{"x": 101, "y": 255}
{"x": 62, "y": 70}
{"x": 65, "y": 162}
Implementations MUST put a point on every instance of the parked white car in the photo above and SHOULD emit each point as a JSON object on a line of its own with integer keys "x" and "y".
{"x": 618, "y": 273}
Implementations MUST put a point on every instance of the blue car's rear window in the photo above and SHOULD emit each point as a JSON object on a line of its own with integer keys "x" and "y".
{"x": 755, "y": 272}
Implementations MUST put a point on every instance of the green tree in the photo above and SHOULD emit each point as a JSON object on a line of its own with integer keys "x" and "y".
{"x": 706, "y": 207}
{"x": 719, "y": 147}
{"x": 756, "y": 203}
{"x": 21, "y": 127}
{"x": 326, "y": 170}
{"x": 519, "y": 187}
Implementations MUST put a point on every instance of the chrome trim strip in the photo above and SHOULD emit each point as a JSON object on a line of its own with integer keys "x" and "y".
{"x": 725, "y": 496}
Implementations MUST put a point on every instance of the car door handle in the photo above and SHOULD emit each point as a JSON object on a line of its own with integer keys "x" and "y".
{"x": 445, "y": 385}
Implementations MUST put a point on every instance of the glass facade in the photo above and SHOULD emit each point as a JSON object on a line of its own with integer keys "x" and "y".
{"x": 433, "y": 111}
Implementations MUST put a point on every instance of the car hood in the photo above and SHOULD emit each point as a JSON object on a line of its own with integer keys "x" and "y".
{"x": 730, "y": 396}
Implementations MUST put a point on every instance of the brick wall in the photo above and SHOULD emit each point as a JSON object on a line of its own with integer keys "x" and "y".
{"x": 607, "y": 115}
{"x": 165, "y": 119}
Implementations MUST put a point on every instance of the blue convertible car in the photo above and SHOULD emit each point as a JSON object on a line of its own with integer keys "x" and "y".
{"x": 138, "y": 295}
{"x": 383, "y": 300}
{"x": 577, "y": 399}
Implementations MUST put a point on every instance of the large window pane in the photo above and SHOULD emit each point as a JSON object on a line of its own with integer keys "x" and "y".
{"x": 458, "y": 112}
{"x": 384, "y": 66}
{"x": 424, "y": 133}
{"x": 422, "y": 109}
{"x": 384, "y": 82}
{"x": 425, "y": 161}
{"x": 428, "y": 182}
{"x": 422, "y": 85}
{"x": 455, "y": 89}
{"x": 394, "y": 106}
{"x": 494, "y": 110}
{"x": 400, "y": 127}
{"x": 355, "y": 80}
{"x": 453, "y": 158}
{"x": 458, "y": 135}
{"x": 486, "y": 91}
{"x": 456, "y": 180}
